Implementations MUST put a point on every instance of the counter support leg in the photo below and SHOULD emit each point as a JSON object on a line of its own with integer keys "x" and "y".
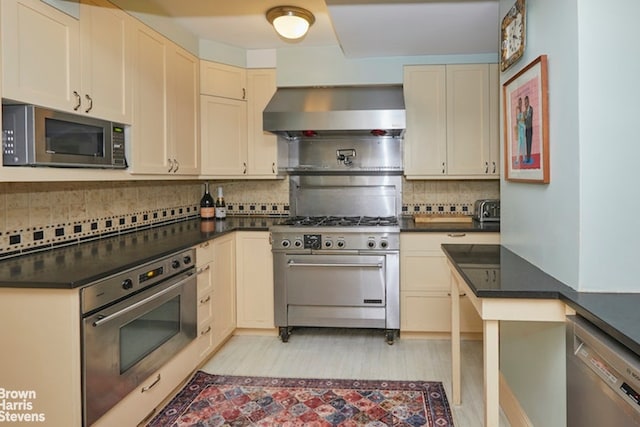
{"x": 455, "y": 342}
{"x": 491, "y": 354}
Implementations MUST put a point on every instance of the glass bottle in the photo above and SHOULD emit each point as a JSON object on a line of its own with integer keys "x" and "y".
{"x": 221, "y": 207}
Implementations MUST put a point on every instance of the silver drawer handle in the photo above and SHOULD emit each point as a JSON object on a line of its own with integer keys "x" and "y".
{"x": 150, "y": 386}
{"x": 205, "y": 300}
{"x": 206, "y": 331}
{"x": 457, "y": 234}
{"x": 203, "y": 269}
{"x": 338, "y": 265}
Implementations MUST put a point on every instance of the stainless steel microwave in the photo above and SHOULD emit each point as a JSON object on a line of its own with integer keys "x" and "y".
{"x": 37, "y": 136}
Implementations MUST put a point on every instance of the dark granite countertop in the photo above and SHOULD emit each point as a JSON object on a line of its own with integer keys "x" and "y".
{"x": 407, "y": 224}
{"x": 76, "y": 265}
{"x": 79, "y": 264}
{"x": 615, "y": 313}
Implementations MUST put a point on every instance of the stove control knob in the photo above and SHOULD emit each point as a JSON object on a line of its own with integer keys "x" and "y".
{"x": 127, "y": 284}
{"x": 340, "y": 243}
{"x": 286, "y": 243}
{"x": 175, "y": 264}
{"x": 371, "y": 244}
{"x": 297, "y": 243}
{"x": 328, "y": 243}
{"x": 384, "y": 244}
{"x": 187, "y": 259}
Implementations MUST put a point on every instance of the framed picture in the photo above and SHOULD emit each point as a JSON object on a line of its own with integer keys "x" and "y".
{"x": 513, "y": 34}
{"x": 526, "y": 119}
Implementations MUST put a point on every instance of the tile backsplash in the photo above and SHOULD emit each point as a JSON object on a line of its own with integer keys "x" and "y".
{"x": 41, "y": 215}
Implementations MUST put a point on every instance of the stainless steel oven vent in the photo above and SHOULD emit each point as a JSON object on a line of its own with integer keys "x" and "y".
{"x": 331, "y": 112}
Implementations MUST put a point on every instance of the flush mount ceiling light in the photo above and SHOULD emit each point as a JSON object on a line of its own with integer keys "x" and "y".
{"x": 290, "y": 22}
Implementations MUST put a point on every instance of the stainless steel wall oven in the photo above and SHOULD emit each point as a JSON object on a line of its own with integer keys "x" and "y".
{"x": 132, "y": 323}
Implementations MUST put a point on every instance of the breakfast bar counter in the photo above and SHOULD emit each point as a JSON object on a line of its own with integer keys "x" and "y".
{"x": 505, "y": 287}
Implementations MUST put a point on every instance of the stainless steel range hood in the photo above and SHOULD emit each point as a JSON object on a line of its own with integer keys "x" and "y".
{"x": 316, "y": 112}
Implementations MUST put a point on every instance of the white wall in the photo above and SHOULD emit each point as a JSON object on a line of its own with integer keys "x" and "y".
{"x": 609, "y": 97}
{"x": 329, "y": 66}
{"x": 574, "y": 228}
{"x": 541, "y": 222}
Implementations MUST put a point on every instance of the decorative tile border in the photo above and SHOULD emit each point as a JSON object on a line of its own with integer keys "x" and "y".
{"x": 16, "y": 242}
{"x": 437, "y": 208}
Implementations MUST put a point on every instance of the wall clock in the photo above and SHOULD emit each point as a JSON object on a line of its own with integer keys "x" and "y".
{"x": 512, "y": 37}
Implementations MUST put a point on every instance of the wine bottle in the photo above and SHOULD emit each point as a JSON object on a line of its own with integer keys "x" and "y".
{"x": 207, "y": 209}
{"x": 221, "y": 207}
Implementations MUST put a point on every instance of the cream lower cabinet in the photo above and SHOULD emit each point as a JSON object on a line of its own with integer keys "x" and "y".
{"x": 142, "y": 403}
{"x": 40, "y": 338}
{"x": 224, "y": 288}
{"x": 425, "y": 282}
{"x": 205, "y": 267}
{"x": 254, "y": 280}
{"x": 452, "y": 121}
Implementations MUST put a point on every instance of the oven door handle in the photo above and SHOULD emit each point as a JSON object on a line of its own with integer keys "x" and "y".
{"x": 292, "y": 263}
{"x": 105, "y": 319}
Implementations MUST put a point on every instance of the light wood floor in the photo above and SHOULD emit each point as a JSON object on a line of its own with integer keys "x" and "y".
{"x": 357, "y": 354}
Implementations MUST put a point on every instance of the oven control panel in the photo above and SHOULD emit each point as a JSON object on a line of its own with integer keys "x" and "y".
{"x": 335, "y": 241}
{"x": 120, "y": 285}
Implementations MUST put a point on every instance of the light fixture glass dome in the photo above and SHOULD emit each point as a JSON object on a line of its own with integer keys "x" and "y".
{"x": 290, "y": 22}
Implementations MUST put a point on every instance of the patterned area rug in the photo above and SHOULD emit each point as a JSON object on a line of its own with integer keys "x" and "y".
{"x": 216, "y": 400}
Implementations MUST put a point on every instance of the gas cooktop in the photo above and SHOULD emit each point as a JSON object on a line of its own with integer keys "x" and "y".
{"x": 340, "y": 221}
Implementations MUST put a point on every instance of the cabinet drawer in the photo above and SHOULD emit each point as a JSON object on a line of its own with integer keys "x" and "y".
{"x": 424, "y": 272}
{"x": 138, "y": 404}
{"x": 204, "y": 253}
{"x": 205, "y": 310}
{"x": 429, "y": 312}
{"x": 432, "y": 241}
{"x": 205, "y": 280}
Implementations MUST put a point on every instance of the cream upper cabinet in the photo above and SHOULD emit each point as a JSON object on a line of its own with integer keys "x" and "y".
{"x": 223, "y": 80}
{"x": 223, "y": 133}
{"x": 425, "y": 139}
{"x": 40, "y": 55}
{"x": 449, "y": 122}
{"x": 54, "y": 60}
{"x": 262, "y": 146}
{"x": 183, "y": 88}
{"x": 254, "y": 280}
{"x": 105, "y": 40}
{"x": 165, "y": 121}
{"x": 425, "y": 282}
{"x": 233, "y": 144}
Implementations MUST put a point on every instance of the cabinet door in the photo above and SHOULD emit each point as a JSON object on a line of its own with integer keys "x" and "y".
{"x": 425, "y": 141}
{"x": 183, "y": 115}
{"x": 494, "y": 119}
{"x": 106, "y": 61}
{"x": 224, "y": 282}
{"x": 223, "y": 136}
{"x": 262, "y": 146}
{"x": 150, "y": 142}
{"x": 425, "y": 282}
{"x": 468, "y": 147}
{"x": 40, "y": 55}
{"x": 254, "y": 280}
{"x": 223, "y": 80}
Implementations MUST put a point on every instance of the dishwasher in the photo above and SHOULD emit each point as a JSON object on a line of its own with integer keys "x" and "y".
{"x": 603, "y": 378}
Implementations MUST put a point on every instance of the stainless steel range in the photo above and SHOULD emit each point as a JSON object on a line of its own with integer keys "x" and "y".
{"x": 336, "y": 260}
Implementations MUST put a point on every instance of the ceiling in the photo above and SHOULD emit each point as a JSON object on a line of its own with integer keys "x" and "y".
{"x": 362, "y": 28}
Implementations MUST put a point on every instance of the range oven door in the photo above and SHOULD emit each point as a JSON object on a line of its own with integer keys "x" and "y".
{"x": 125, "y": 343}
{"x": 334, "y": 290}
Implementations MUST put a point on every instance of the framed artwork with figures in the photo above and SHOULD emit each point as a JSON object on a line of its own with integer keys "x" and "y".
{"x": 526, "y": 124}
{"x": 513, "y": 35}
